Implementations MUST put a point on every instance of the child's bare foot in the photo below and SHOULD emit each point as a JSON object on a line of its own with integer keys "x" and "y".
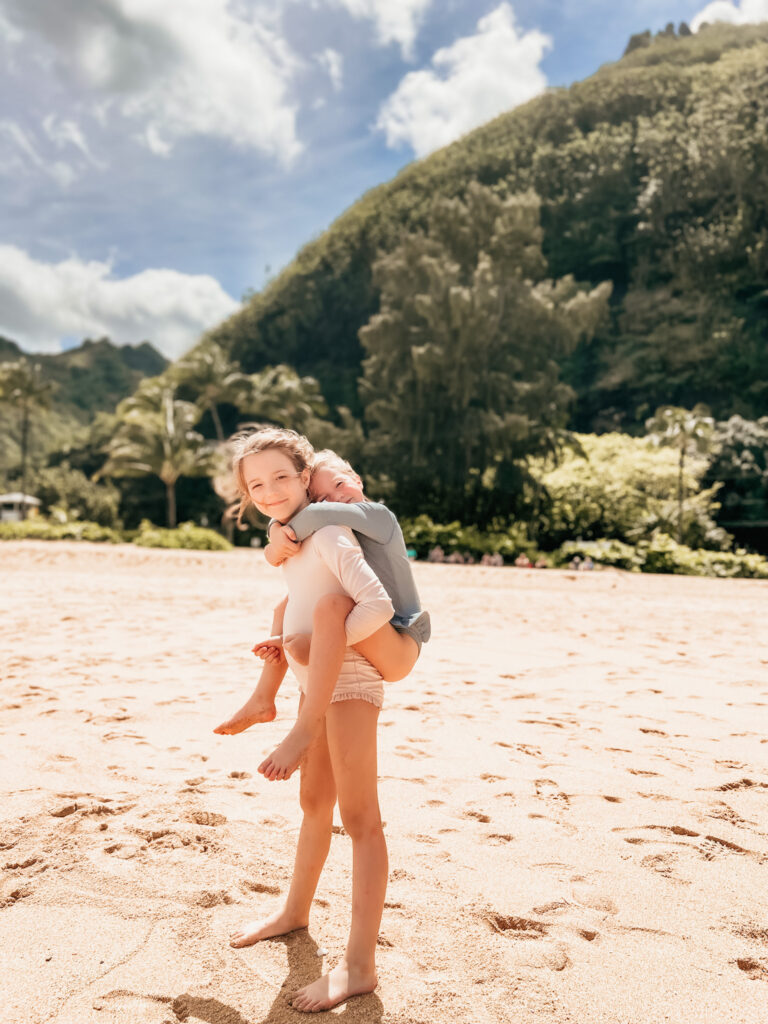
{"x": 257, "y": 709}
{"x": 333, "y": 988}
{"x": 297, "y": 645}
{"x": 278, "y": 924}
{"x": 285, "y": 759}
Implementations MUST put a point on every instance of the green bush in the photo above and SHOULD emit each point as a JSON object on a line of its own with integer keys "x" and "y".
{"x": 422, "y": 534}
{"x": 625, "y": 487}
{"x": 42, "y": 529}
{"x": 662, "y": 554}
{"x": 603, "y": 552}
{"x": 186, "y": 535}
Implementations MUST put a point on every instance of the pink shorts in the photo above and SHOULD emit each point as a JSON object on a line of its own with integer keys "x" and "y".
{"x": 358, "y": 679}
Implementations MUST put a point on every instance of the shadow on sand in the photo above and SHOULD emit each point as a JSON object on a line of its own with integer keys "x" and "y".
{"x": 304, "y": 966}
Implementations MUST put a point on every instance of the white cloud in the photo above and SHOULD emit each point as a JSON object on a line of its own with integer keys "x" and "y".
{"x": 178, "y": 67}
{"x": 748, "y": 12}
{"x": 397, "y": 21}
{"x": 64, "y": 132}
{"x": 42, "y": 303}
{"x": 333, "y": 63}
{"x": 59, "y": 171}
{"x": 470, "y": 82}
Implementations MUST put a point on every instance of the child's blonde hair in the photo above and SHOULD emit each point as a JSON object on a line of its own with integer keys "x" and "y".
{"x": 295, "y": 446}
{"x": 327, "y": 459}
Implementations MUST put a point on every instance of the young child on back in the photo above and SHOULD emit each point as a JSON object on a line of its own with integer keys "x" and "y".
{"x": 338, "y": 499}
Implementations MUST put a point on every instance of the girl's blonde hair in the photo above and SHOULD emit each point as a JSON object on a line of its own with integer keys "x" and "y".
{"x": 327, "y": 459}
{"x": 250, "y": 442}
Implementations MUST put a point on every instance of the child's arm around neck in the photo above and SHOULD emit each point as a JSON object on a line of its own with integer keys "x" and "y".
{"x": 367, "y": 518}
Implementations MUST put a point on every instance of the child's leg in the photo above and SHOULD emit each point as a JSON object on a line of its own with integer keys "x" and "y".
{"x": 329, "y": 642}
{"x": 351, "y": 731}
{"x": 392, "y": 654}
{"x": 260, "y": 706}
{"x": 317, "y": 797}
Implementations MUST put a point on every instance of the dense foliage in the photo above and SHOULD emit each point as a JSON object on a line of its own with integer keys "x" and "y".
{"x": 662, "y": 554}
{"x": 622, "y": 487}
{"x": 461, "y": 384}
{"x": 652, "y": 174}
{"x": 86, "y": 380}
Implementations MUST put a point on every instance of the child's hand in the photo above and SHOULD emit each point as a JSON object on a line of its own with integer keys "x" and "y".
{"x": 283, "y": 542}
{"x": 270, "y": 650}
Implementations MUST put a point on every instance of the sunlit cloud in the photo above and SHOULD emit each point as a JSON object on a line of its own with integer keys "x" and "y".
{"x": 179, "y": 68}
{"x": 471, "y": 81}
{"x": 333, "y": 63}
{"x": 748, "y": 12}
{"x": 396, "y": 21}
{"x": 43, "y": 303}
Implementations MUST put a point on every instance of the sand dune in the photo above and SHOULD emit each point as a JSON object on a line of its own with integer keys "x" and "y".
{"x": 574, "y": 780}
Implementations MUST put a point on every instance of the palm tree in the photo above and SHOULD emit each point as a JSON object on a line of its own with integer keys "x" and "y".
{"x": 22, "y": 386}
{"x": 214, "y": 378}
{"x": 156, "y": 436}
{"x": 690, "y": 432}
{"x": 279, "y": 395}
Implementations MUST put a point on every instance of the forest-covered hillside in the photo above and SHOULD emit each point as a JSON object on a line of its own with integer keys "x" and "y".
{"x": 652, "y": 175}
{"x": 91, "y": 378}
{"x": 95, "y": 375}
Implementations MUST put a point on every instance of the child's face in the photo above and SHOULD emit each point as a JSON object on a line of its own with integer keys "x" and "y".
{"x": 274, "y": 486}
{"x": 333, "y": 485}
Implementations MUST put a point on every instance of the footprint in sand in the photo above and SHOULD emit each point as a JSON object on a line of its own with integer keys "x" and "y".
{"x": 515, "y": 927}
{"x": 549, "y": 791}
{"x": 756, "y": 969}
{"x": 741, "y": 784}
{"x": 208, "y": 818}
{"x": 477, "y": 816}
{"x": 248, "y": 885}
{"x": 15, "y": 896}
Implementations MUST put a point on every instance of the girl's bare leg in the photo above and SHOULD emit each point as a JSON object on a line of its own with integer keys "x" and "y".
{"x": 260, "y": 706}
{"x": 325, "y": 660}
{"x": 351, "y": 731}
{"x": 392, "y": 654}
{"x": 317, "y": 797}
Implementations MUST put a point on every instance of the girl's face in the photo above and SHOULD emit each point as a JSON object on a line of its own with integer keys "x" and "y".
{"x": 274, "y": 486}
{"x": 333, "y": 485}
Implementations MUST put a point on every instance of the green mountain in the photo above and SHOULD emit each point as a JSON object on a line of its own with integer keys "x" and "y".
{"x": 88, "y": 379}
{"x": 652, "y": 173}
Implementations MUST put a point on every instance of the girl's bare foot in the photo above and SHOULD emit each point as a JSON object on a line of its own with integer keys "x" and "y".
{"x": 297, "y": 645}
{"x": 255, "y": 710}
{"x": 333, "y": 988}
{"x": 278, "y": 924}
{"x": 285, "y": 758}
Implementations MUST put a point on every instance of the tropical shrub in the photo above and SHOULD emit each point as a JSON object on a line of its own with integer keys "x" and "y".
{"x": 614, "y": 485}
{"x": 422, "y": 534}
{"x": 186, "y": 535}
{"x": 662, "y": 554}
{"x": 43, "y": 529}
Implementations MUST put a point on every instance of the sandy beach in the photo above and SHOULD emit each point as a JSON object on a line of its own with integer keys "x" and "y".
{"x": 574, "y": 782}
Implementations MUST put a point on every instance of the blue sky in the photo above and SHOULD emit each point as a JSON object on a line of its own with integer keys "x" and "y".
{"x": 159, "y": 159}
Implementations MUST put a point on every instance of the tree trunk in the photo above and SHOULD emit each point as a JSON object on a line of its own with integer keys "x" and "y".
{"x": 216, "y": 422}
{"x": 170, "y": 493}
{"x": 680, "y": 496}
{"x": 24, "y": 446}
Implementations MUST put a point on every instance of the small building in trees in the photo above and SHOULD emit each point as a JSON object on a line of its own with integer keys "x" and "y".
{"x": 13, "y": 505}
